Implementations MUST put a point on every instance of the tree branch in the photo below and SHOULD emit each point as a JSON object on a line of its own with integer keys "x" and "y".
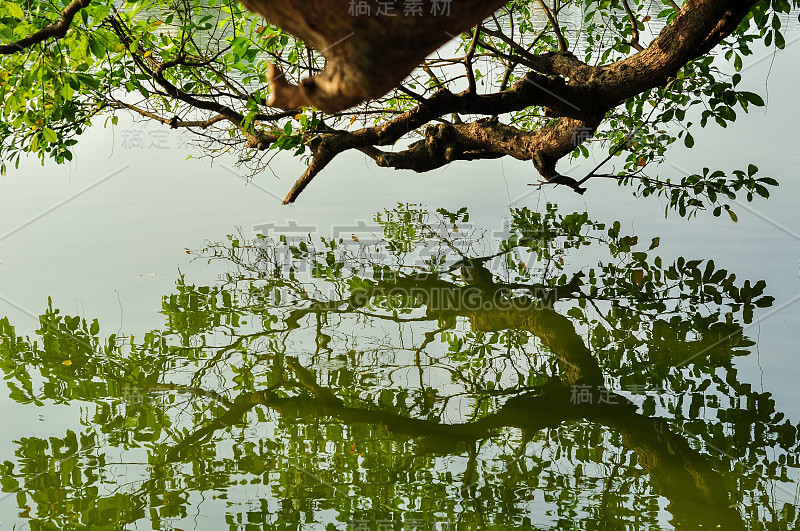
{"x": 55, "y": 30}
{"x": 562, "y": 42}
{"x": 576, "y": 94}
{"x": 257, "y": 139}
{"x": 468, "y": 59}
{"x": 634, "y": 42}
{"x": 532, "y": 89}
{"x": 173, "y": 122}
{"x": 532, "y": 61}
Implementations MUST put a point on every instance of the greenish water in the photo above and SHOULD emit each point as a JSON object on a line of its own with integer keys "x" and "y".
{"x": 422, "y": 373}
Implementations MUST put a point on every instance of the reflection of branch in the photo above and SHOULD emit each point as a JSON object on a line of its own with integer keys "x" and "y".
{"x": 234, "y": 415}
{"x": 696, "y": 492}
{"x": 554, "y": 330}
{"x": 56, "y": 30}
{"x": 193, "y": 391}
{"x": 309, "y": 381}
{"x": 609, "y": 488}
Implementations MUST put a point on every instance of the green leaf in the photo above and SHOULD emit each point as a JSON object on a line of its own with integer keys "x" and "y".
{"x": 97, "y": 48}
{"x": 779, "y": 42}
{"x": 88, "y": 80}
{"x": 50, "y": 135}
{"x": 14, "y": 10}
{"x": 753, "y": 98}
{"x": 764, "y": 302}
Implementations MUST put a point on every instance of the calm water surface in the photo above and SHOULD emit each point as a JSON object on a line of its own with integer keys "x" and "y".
{"x": 483, "y": 360}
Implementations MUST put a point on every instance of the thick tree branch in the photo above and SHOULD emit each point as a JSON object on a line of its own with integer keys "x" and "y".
{"x": 357, "y": 48}
{"x": 577, "y": 94}
{"x": 698, "y": 28}
{"x": 533, "y": 88}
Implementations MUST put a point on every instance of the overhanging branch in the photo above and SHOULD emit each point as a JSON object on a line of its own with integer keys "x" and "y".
{"x": 577, "y": 95}
{"x": 56, "y": 30}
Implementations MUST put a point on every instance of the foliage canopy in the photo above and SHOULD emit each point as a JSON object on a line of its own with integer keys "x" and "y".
{"x": 534, "y": 81}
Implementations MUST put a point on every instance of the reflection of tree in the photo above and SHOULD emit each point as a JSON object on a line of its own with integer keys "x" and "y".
{"x": 423, "y": 374}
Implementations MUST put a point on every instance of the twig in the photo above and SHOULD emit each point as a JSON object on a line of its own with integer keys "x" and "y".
{"x": 562, "y": 42}
{"x": 621, "y": 144}
{"x": 408, "y": 92}
{"x": 634, "y": 42}
{"x": 468, "y": 59}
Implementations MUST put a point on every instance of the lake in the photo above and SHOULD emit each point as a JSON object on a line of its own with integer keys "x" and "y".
{"x": 450, "y": 350}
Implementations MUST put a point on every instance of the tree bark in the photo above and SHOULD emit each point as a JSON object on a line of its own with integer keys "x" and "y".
{"x": 368, "y": 53}
{"x": 576, "y": 95}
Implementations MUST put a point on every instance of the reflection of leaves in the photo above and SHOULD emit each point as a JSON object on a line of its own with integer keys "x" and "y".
{"x": 369, "y": 362}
